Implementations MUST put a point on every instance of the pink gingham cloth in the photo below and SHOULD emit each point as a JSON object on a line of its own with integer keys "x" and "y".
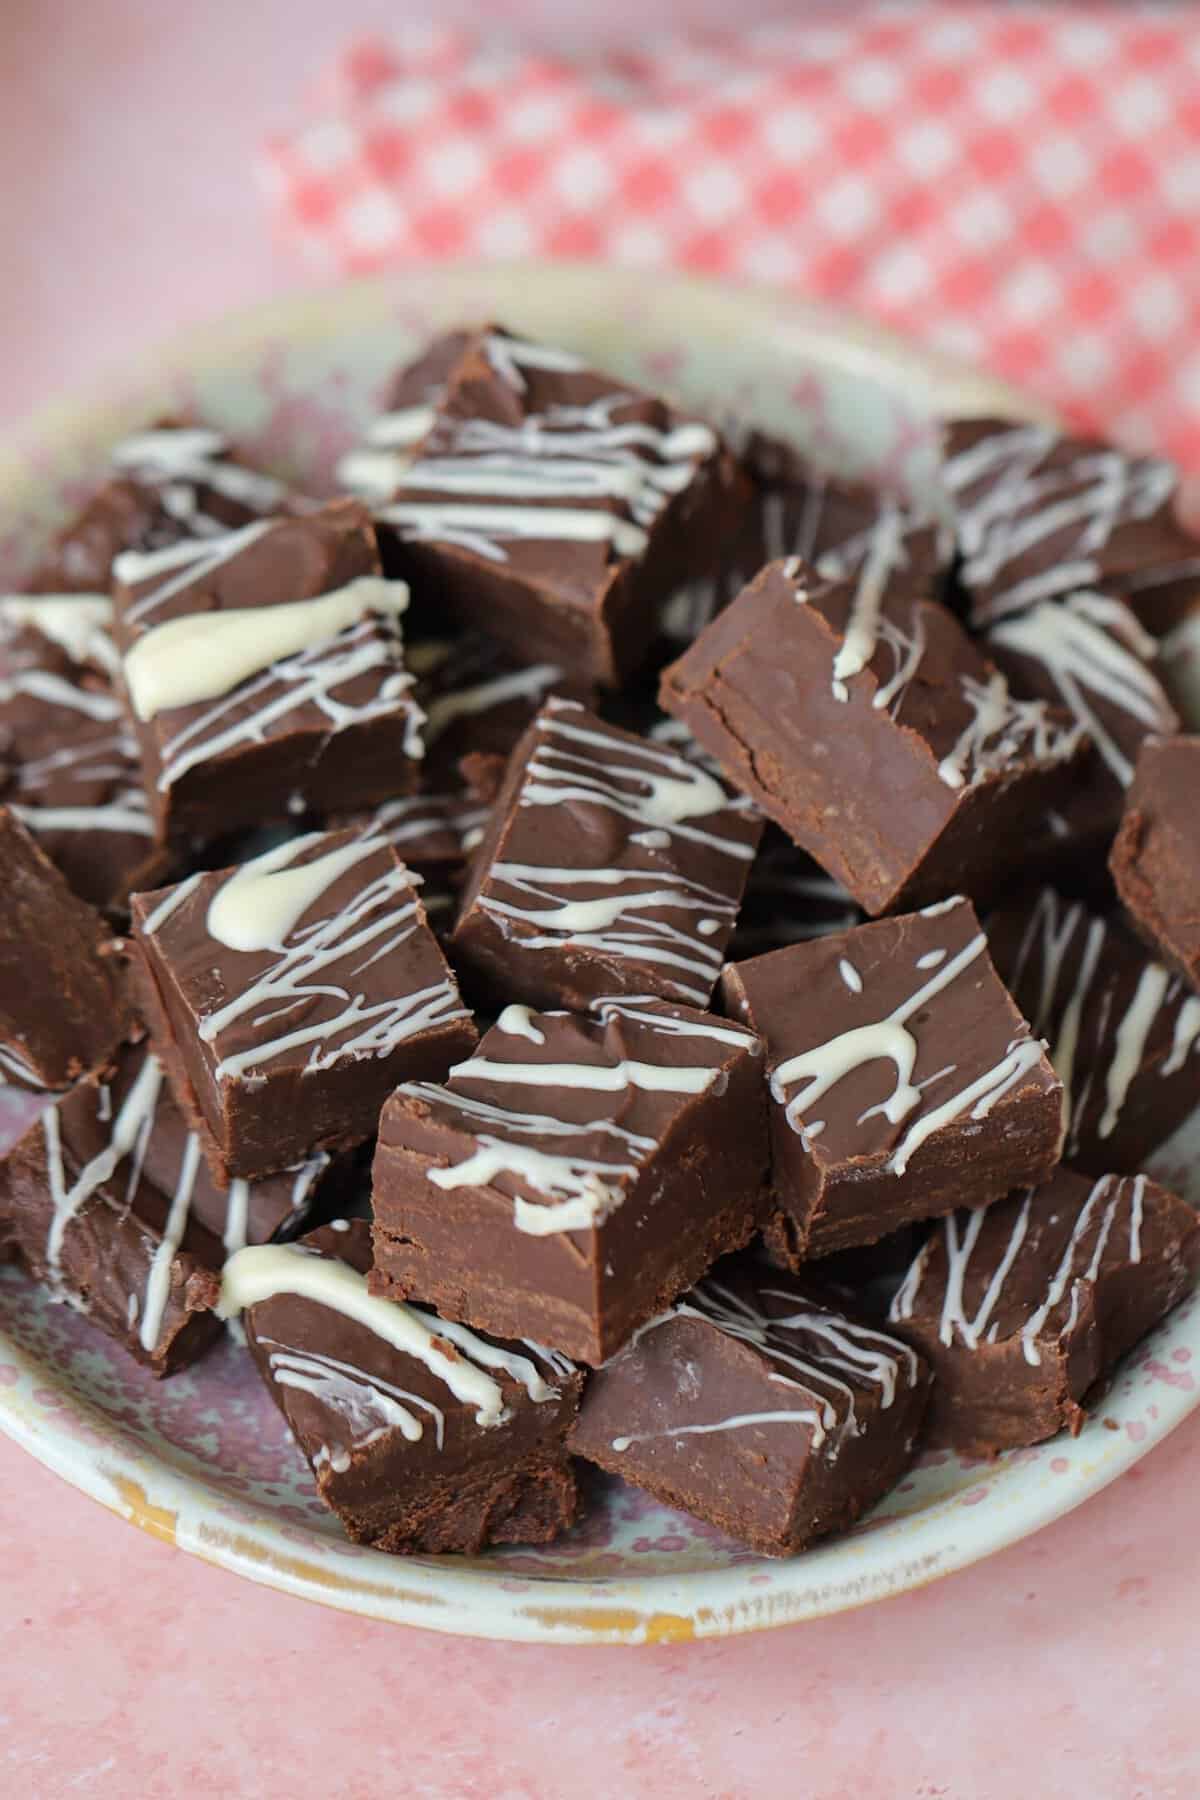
{"x": 1017, "y": 184}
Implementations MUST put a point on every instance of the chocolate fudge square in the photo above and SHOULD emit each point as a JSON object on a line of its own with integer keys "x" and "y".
{"x": 1123, "y": 1030}
{"x": 1156, "y": 859}
{"x": 554, "y": 506}
{"x": 289, "y": 995}
{"x": 265, "y": 673}
{"x": 759, "y": 1407}
{"x": 72, "y": 772}
{"x": 1038, "y": 515}
{"x": 175, "y": 479}
{"x": 1022, "y": 1309}
{"x": 611, "y": 866}
{"x": 106, "y": 1199}
{"x": 421, "y": 1434}
{"x": 861, "y": 718}
{"x": 904, "y": 1082}
{"x": 574, "y": 1175}
{"x": 1087, "y": 652}
{"x": 63, "y": 1002}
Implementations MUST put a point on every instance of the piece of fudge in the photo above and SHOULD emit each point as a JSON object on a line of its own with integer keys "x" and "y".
{"x": 174, "y": 479}
{"x": 1156, "y": 859}
{"x": 788, "y": 899}
{"x": 107, "y": 1200}
{"x": 288, "y": 996}
{"x": 576, "y": 1174}
{"x": 796, "y": 509}
{"x": 611, "y": 865}
{"x": 862, "y": 719}
{"x": 1087, "y": 652}
{"x": 421, "y": 1434}
{"x": 265, "y": 673}
{"x": 758, "y": 1406}
{"x": 1123, "y": 1031}
{"x": 904, "y": 1082}
{"x": 554, "y": 506}
{"x": 64, "y": 1008}
{"x": 376, "y": 466}
{"x": 1038, "y": 515}
{"x": 1022, "y": 1309}
{"x": 71, "y": 771}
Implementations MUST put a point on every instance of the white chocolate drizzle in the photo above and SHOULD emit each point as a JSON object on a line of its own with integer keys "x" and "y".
{"x": 130, "y": 1135}
{"x": 822, "y": 1067}
{"x": 885, "y": 555}
{"x": 600, "y": 1078}
{"x": 158, "y": 1284}
{"x": 583, "y": 1190}
{"x": 79, "y": 624}
{"x": 311, "y": 679}
{"x": 367, "y": 1406}
{"x": 1078, "y": 1266}
{"x": 15, "y": 1066}
{"x": 131, "y": 1131}
{"x": 1117, "y": 1048}
{"x": 193, "y": 559}
{"x": 179, "y": 460}
{"x": 530, "y": 684}
{"x": 264, "y": 1271}
{"x": 263, "y": 901}
{"x": 1024, "y": 505}
{"x": 374, "y": 468}
{"x": 1095, "y": 652}
{"x": 651, "y": 914}
{"x": 380, "y": 916}
{"x": 1001, "y": 729}
{"x": 409, "y": 822}
{"x": 202, "y": 656}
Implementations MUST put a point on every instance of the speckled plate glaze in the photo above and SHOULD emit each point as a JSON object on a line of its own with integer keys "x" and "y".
{"x": 204, "y": 1460}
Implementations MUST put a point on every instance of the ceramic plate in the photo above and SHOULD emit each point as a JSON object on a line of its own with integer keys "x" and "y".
{"x": 204, "y": 1460}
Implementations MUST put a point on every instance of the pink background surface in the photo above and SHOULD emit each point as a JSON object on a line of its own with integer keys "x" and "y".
{"x": 1063, "y": 1667}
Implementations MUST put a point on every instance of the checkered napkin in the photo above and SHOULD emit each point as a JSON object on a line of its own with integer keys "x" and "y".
{"x": 1018, "y": 184}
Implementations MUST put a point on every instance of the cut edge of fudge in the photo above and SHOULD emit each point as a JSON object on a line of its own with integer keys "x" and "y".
{"x": 363, "y": 1431}
{"x": 1019, "y": 1348}
{"x": 216, "y": 1057}
{"x": 832, "y": 1379}
{"x": 68, "y": 1008}
{"x": 1155, "y": 859}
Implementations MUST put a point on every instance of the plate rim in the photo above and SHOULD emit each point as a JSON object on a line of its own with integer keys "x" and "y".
{"x": 465, "y": 1599}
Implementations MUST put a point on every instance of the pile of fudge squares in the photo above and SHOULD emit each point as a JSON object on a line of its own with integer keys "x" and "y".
{"x": 734, "y": 1097}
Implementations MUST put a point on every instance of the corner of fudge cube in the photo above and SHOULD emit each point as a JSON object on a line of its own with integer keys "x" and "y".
{"x": 904, "y": 1081}
{"x": 575, "y": 1173}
